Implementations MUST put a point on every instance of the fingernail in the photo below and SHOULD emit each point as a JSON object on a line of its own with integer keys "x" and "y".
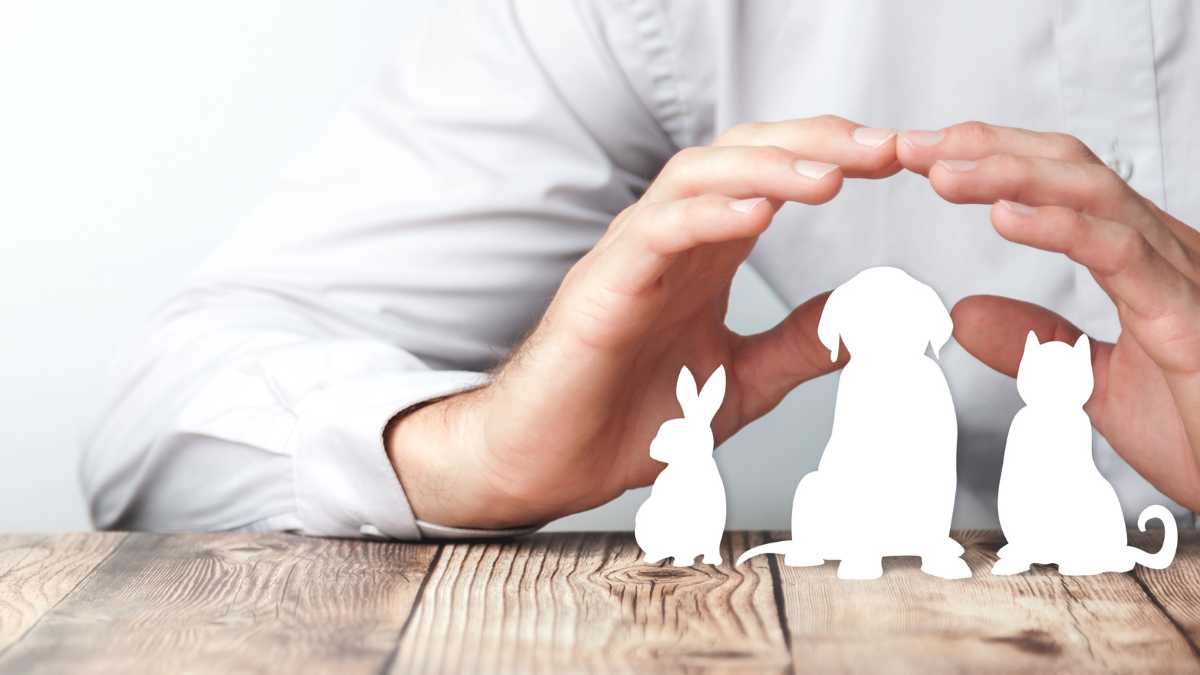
{"x": 957, "y": 165}
{"x": 746, "y": 205}
{"x": 872, "y": 137}
{"x": 813, "y": 170}
{"x": 924, "y": 138}
{"x": 1017, "y": 208}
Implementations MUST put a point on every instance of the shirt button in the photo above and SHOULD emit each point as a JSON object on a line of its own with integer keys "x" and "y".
{"x": 1118, "y": 161}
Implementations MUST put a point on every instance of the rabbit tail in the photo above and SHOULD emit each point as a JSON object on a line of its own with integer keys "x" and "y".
{"x": 1166, "y": 554}
{"x": 773, "y": 547}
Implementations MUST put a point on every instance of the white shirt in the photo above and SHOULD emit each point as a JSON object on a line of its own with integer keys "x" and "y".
{"x": 430, "y": 228}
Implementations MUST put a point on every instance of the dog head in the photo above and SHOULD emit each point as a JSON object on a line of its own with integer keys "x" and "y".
{"x": 884, "y": 310}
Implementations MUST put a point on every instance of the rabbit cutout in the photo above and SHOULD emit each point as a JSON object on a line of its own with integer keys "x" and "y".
{"x": 1054, "y": 505}
{"x": 685, "y": 514}
{"x": 886, "y": 481}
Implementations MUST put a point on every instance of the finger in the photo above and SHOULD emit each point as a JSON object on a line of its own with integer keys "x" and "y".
{"x": 919, "y": 150}
{"x": 993, "y": 329}
{"x": 770, "y": 364}
{"x": 1119, "y": 256}
{"x": 604, "y": 294}
{"x": 862, "y": 152}
{"x": 745, "y": 171}
{"x": 1090, "y": 188}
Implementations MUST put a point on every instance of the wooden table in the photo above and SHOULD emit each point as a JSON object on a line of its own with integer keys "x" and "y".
{"x": 226, "y": 603}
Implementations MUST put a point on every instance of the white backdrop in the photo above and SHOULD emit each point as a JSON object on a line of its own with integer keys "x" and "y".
{"x": 133, "y": 136}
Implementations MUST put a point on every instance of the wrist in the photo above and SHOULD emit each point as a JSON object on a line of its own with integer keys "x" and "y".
{"x": 436, "y": 451}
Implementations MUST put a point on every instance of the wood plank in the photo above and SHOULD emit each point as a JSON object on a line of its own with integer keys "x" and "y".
{"x": 586, "y": 602}
{"x": 38, "y": 571}
{"x": 231, "y": 603}
{"x": 1176, "y": 590}
{"x": 1036, "y": 622}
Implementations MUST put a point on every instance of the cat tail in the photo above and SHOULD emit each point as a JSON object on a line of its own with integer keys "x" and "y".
{"x": 773, "y": 547}
{"x": 1170, "y": 543}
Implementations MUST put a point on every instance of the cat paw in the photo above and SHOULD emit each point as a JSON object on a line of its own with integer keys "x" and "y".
{"x": 860, "y": 568}
{"x": 946, "y": 568}
{"x": 683, "y": 560}
{"x": 1008, "y": 566}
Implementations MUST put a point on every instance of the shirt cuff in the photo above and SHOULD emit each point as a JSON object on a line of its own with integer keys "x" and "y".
{"x": 434, "y": 531}
{"x": 345, "y": 485}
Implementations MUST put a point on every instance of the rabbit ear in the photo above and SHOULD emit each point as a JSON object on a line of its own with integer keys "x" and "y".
{"x": 937, "y": 320}
{"x": 711, "y": 396}
{"x": 829, "y": 329}
{"x": 685, "y": 392}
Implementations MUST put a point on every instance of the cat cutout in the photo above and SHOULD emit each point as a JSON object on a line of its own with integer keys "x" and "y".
{"x": 1054, "y": 505}
{"x": 685, "y": 514}
{"x": 886, "y": 481}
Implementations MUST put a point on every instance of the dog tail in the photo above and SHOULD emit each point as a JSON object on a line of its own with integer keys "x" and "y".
{"x": 773, "y": 547}
{"x": 1166, "y": 553}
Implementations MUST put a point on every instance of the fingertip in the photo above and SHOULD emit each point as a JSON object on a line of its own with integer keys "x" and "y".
{"x": 874, "y": 154}
{"x": 916, "y": 150}
{"x": 824, "y": 187}
{"x": 946, "y": 183}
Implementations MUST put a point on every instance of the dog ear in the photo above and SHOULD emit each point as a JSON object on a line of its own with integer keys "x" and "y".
{"x": 937, "y": 319}
{"x": 685, "y": 392}
{"x": 709, "y": 401}
{"x": 829, "y": 328}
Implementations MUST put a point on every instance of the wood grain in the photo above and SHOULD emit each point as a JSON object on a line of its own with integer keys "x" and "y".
{"x": 37, "y": 572}
{"x": 564, "y": 603}
{"x": 1035, "y": 622}
{"x": 586, "y": 602}
{"x": 231, "y": 603}
{"x": 1175, "y": 590}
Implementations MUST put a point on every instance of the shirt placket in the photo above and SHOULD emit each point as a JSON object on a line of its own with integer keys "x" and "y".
{"x": 1109, "y": 101}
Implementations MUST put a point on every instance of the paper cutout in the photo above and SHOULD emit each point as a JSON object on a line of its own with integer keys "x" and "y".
{"x": 685, "y": 514}
{"x": 886, "y": 481}
{"x": 1054, "y": 505}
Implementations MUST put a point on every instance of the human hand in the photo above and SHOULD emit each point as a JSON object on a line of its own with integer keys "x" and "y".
{"x": 566, "y": 423}
{"x": 1050, "y": 192}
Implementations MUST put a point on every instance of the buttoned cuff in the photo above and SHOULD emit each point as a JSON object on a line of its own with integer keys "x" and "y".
{"x": 344, "y": 484}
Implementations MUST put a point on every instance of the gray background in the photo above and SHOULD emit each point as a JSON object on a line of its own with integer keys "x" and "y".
{"x": 133, "y": 136}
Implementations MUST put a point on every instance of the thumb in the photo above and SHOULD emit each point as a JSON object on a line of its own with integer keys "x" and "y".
{"x": 993, "y": 329}
{"x": 770, "y": 364}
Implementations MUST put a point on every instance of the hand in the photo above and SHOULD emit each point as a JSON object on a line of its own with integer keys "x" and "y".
{"x": 567, "y": 422}
{"x": 1050, "y": 192}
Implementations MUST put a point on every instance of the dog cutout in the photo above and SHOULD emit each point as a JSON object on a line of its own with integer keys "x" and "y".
{"x": 886, "y": 481}
{"x": 1054, "y": 505}
{"x": 685, "y": 514}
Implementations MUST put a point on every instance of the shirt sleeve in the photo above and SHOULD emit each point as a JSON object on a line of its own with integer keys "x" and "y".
{"x": 396, "y": 263}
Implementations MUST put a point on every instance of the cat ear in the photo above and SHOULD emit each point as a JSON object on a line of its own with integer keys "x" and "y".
{"x": 1031, "y": 342}
{"x": 685, "y": 392}
{"x": 829, "y": 328}
{"x": 1084, "y": 345}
